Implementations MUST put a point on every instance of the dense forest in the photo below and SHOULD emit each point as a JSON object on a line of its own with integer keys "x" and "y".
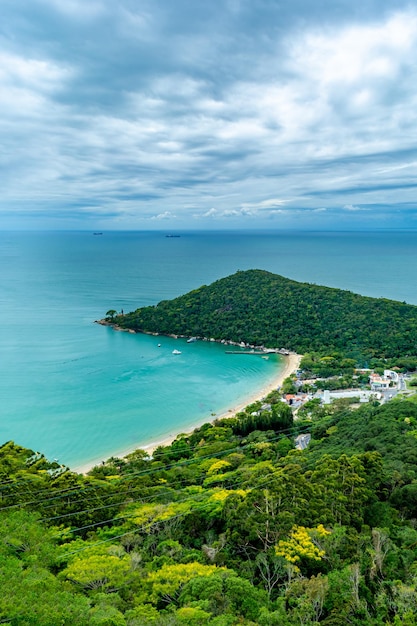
{"x": 260, "y": 308}
{"x": 229, "y": 525}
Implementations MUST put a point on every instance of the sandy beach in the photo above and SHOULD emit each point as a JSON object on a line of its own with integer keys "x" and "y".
{"x": 292, "y": 362}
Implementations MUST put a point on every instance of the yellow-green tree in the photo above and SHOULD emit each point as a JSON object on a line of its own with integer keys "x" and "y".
{"x": 301, "y": 545}
{"x": 98, "y": 571}
{"x": 166, "y": 582}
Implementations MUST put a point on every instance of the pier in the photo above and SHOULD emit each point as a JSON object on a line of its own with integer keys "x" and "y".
{"x": 246, "y": 352}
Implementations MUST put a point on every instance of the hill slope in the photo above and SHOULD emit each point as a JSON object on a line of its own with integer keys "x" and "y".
{"x": 259, "y": 307}
{"x": 221, "y": 528}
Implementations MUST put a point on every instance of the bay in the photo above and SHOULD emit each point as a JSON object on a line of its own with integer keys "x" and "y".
{"x": 80, "y": 392}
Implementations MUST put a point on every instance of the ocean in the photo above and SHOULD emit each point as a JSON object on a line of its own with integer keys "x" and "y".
{"x": 80, "y": 392}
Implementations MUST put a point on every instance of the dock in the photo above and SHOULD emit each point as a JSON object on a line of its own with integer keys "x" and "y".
{"x": 245, "y": 352}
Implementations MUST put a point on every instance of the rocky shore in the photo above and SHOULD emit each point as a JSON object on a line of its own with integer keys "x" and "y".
{"x": 226, "y": 342}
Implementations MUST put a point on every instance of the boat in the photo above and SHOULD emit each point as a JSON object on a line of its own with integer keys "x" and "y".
{"x": 176, "y": 352}
{"x": 191, "y": 339}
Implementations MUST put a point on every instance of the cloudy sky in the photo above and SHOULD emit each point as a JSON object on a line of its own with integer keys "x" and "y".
{"x": 148, "y": 114}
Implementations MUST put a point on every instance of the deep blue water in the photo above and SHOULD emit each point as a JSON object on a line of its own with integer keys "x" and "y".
{"x": 79, "y": 392}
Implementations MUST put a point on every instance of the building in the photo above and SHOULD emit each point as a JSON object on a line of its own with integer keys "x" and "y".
{"x": 363, "y": 395}
{"x": 379, "y": 383}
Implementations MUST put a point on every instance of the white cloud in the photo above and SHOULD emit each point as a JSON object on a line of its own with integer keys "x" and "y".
{"x": 357, "y": 52}
{"x": 210, "y": 213}
{"x": 167, "y": 215}
{"x": 264, "y": 204}
{"x": 138, "y": 109}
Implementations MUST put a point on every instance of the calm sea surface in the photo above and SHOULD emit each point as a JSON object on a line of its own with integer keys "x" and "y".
{"x": 80, "y": 392}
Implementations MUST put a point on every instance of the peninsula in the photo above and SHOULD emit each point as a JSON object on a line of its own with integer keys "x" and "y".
{"x": 258, "y": 308}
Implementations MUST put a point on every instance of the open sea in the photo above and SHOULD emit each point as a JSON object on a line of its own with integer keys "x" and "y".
{"x": 80, "y": 392}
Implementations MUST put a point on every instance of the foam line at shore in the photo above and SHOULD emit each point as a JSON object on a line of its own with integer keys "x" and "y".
{"x": 292, "y": 363}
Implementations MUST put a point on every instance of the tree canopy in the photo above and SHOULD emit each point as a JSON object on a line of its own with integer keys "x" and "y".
{"x": 228, "y": 525}
{"x": 261, "y": 308}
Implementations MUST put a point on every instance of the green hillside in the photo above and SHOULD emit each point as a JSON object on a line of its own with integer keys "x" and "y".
{"x": 228, "y": 526}
{"x": 261, "y": 308}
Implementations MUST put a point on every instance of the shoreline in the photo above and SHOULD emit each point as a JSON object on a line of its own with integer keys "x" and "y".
{"x": 291, "y": 364}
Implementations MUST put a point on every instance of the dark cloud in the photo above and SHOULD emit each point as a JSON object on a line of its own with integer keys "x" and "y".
{"x": 204, "y": 113}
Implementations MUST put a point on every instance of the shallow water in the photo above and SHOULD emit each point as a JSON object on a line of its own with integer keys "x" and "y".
{"x": 79, "y": 392}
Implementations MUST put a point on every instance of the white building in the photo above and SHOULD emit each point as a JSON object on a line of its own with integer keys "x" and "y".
{"x": 363, "y": 395}
{"x": 379, "y": 383}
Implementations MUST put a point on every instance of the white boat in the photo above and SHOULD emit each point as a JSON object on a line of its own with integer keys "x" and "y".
{"x": 176, "y": 352}
{"x": 191, "y": 339}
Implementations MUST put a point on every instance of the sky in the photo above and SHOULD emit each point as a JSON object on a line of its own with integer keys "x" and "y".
{"x": 189, "y": 114}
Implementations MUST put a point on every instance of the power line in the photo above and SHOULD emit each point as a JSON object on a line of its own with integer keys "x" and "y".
{"x": 150, "y": 524}
{"x": 68, "y": 491}
{"x": 143, "y": 500}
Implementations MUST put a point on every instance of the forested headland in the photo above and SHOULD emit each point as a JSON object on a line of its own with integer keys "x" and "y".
{"x": 260, "y": 308}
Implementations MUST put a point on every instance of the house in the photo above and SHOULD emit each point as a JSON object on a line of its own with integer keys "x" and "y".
{"x": 379, "y": 383}
{"x": 295, "y": 400}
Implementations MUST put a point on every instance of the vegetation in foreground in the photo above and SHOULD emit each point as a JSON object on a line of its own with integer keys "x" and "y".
{"x": 228, "y": 525}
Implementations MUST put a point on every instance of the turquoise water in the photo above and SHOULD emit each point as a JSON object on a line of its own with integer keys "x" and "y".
{"x": 80, "y": 392}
